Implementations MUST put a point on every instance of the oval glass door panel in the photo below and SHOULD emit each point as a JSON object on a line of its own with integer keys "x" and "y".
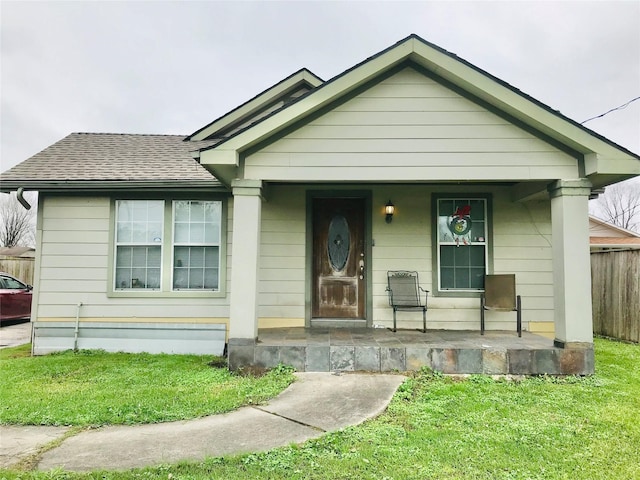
{"x": 338, "y": 242}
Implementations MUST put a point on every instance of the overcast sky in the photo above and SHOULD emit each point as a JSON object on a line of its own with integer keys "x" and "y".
{"x": 172, "y": 67}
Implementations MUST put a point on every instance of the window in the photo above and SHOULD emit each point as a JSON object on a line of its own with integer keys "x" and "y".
{"x": 196, "y": 244}
{"x": 461, "y": 243}
{"x": 167, "y": 246}
{"x": 139, "y": 228}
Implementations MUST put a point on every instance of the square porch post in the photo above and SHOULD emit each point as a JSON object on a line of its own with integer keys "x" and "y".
{"x": 571, "y": 264}
{"x": 245, "y": 251}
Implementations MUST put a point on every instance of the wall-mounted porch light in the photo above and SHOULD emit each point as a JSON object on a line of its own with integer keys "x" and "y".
{"x": 389, "y": 210}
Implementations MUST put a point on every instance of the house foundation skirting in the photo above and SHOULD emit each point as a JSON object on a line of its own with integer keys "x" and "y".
{"x": 379, "y": 350}
{"x": 181, "y": 338}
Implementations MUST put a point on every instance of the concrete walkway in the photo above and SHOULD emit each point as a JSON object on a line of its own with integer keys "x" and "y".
{"x": 14, "y": 335}
{"x": 315, "y": 404}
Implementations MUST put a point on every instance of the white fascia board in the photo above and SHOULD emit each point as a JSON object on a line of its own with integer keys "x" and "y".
{"x": 257, "y": 103}
{"x": 226, "y": 156}
{"x": 599, "y": 164}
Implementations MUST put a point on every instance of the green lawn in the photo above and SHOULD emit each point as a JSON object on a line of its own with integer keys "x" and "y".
{"x": 99, "y": 388}
{"x": 479, "y": 428}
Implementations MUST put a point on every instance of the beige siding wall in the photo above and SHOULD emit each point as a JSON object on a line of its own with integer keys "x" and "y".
{"x": 521, "y": 245}
{"x": 74, "y": 267}
{"x": 282, "y": 256}
{"x": 409, "y": 127}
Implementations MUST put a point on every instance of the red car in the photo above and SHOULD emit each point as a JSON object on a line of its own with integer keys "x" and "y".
{"x": 15, "y": 299}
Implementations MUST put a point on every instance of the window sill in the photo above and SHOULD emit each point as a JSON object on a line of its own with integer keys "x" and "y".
{"x": 172, "y": 294}
{"x": 458, "y": 293}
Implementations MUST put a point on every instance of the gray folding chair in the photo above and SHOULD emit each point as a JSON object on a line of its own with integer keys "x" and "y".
{"x": 405, "y": 293}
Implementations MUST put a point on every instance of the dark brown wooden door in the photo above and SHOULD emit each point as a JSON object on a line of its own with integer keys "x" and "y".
{"x": 339, "y": 261}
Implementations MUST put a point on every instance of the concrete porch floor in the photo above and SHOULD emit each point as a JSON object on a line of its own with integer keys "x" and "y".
{"x": 381, "y": 350}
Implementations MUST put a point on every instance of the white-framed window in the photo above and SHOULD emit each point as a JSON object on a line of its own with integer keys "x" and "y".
{"x": 196, "y": 244}
{"x": 139, "y": 239}
{"x": 167, "y": 245}
{"x": 462, "y": 243}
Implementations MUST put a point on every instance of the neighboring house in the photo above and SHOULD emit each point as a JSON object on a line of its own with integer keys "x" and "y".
{"x": 273, "y": 215}
{"x": 604, "y": 236}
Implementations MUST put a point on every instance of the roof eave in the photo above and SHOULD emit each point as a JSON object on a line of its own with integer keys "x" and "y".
{"x": 110, "y": 185}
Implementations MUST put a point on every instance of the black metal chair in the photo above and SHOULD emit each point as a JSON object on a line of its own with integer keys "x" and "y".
{"x": 405, "y": 293}
{"x": 500, "y": 295}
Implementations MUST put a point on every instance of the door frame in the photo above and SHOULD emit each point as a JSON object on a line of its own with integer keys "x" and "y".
{"x": 338, "y": 192}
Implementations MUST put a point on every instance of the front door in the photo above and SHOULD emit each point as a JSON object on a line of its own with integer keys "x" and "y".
{"x": 339, "y": 279}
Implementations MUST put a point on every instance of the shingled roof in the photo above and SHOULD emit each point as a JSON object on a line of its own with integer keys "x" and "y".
{"x": 107, "y": 161}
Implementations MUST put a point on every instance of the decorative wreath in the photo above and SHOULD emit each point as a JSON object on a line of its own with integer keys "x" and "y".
{"x": 460, "y": 223}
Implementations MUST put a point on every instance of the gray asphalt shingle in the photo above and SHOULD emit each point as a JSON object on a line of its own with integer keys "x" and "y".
{"x": 94, "y": 157}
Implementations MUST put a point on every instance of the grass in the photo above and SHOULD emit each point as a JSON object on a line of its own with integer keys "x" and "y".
{"x": 91, "y": 388}
{"x": 442, "y": 428}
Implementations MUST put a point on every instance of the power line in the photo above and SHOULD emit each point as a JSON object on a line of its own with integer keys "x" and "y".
{"x": 621, "y": 107}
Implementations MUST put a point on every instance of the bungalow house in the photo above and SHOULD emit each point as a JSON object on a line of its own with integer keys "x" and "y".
{"x": 604, "y": 236}
{"x": 272, "y": 218}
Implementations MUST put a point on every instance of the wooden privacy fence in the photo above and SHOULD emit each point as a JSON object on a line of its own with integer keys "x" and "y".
{"x": 19, "y": 267}
{"x": 615, "y": 280}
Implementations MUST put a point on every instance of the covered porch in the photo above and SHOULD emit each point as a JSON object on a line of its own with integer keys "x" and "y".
{"x": 381, "y": 350}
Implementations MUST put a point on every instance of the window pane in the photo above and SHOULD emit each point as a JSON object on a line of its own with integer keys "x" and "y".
{"x": 154, "y": 232}
{"x": 139, "y": 211}
{"x": 461, "y": 256}
{"x": 213, "y": 212}
{"x": 447, "y": 255}
{"x": 181, "y": 234}
{"x": 477, "y": 255}
{"x": 211, "y": 257}
{"x": 123, "y": 278}
{"x": 212, "y": 233}
{"x": 181, "y": 211}
{"x": 197, "y": 233}
{"x": 462, "y": 278}
{"x": 478, "y": 232}
{"x": 197, "y": 258}
{"x": 196, "y": 278}
{"x": 477, "y": 209}
{"x": 153, "y": 278}
{"x": 123, "y": 257}
{"x": 181, "y": 278}
{"x": 123, "y": 232}
{"x": 447, "y": 278}
{"x": 154, "y": 258}
{"x": 211, "y": 278}
{"x": 477, "y": 278}
{"x": 197, "y": 212}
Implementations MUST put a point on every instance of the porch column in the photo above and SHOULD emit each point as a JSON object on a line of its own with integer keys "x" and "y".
{"x": 571, "y": 264}
{"x": 243, "y": 311}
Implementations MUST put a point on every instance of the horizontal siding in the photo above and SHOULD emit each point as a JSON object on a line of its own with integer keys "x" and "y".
{"x": 455, "y": 157}
{"x": 74, "y": 267}
{"x": 408, "y": 127}
{"x": 199, "y": 339}
{"x": 421, "y": 145}
{"x": 143, "y": 308}
{"x": 282, "y": 254}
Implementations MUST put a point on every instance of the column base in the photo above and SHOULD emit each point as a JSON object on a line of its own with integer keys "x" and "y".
{"x": 241, "y": 352}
